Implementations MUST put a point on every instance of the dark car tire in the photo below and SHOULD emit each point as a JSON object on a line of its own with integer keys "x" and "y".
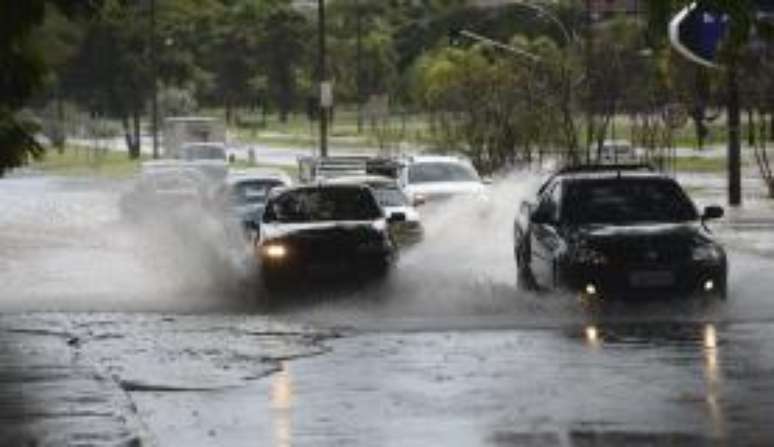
{"x": 723, "y": 290}
{"x": 525, "y": 280}
{"x": 272, "y": 281}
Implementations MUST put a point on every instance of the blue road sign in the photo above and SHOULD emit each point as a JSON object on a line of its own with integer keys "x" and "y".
{"x": 696, "y": 33}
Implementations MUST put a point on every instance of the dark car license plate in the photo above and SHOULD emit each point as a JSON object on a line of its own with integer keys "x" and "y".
{"x": 651, "y": 278}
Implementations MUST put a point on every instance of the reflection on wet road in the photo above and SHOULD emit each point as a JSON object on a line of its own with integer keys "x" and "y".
{"x": 608, "y": 385}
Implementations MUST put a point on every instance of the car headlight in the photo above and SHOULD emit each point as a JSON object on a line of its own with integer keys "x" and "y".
{"x": 587, "y": 255}
{"x": 275, "y": 251}
{"x": 706, "y": 252}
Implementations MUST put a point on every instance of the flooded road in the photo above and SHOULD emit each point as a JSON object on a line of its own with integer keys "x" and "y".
{"x": 609, "y": 385}
{"x": 150, "y": 334}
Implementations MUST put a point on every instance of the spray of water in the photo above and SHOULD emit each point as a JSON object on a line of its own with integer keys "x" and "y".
{"x": 66, "y": 245}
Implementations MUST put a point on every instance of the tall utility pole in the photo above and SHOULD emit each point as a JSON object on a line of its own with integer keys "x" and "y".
{"x": 590, "y": 99}
{"x": 734, "y": 136}
{"x": 359, "y": 63}
{"x": 323, "y": 69}
{"x": 154, "y": 86}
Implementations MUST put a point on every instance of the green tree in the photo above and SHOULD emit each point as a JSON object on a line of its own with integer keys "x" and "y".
{"x": 25, "y": 72}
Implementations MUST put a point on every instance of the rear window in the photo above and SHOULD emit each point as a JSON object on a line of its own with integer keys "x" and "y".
{"x": 626, "y": 201}
{"x": 323, "y": 204}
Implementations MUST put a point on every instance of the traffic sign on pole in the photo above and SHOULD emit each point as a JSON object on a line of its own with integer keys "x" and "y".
{"x": 696, "y": 33}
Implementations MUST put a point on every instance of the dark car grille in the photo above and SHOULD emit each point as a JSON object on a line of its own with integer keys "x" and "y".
{"x": 660, "y": 251}
{"x": 332, "y": 246}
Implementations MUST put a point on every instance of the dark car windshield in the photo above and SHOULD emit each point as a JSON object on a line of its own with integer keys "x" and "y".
{"x": 253, "y": 191}
{"x": 323, "y": 204}
{"x": 441, "y": 172}
{"x": 389, "y": 195}
{"x": 617, "y": 201}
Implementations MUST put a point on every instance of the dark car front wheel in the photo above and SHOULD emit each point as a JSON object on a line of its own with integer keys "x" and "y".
{"x": 524, "y": 278}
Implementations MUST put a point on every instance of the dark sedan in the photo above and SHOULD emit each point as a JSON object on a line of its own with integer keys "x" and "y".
{"x": 323, "y": 230}
{"x": 603, "y": 231}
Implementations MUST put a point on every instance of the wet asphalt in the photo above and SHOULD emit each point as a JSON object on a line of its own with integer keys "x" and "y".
{"x": 151, "y": 334}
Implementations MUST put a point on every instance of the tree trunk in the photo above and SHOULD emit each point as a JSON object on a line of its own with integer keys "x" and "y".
{"x": 127, "y": 133}
{"x": 133, "y": 134}
{"x": 229, "y": 112}
{"x": 734, "y": 159}
{"x": 750, "y": 128}
{"x": 61, "y": 132}
{"x": 771, "y": 126}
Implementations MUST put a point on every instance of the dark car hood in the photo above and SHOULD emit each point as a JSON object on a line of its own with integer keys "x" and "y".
{"x": 641, "y": 243}
{"x": 683, "y": 231}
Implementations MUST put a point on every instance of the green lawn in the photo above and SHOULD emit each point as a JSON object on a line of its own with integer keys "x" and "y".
{"x": 80, "y": 161}
{"x": 85, "y": 162}
{"x": 700, "y": 164}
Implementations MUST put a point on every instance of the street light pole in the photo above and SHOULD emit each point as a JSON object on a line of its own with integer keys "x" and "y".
{"x": 590, "y": 99}
{"x": 359, "y": 56}
{"x": 154, "y": 86}
{"x": 323, "y": 77}
{"x": 734, "y": 137}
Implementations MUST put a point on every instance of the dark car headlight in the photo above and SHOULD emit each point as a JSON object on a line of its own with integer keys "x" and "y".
{"x": 706, "y": 253}
{"x": 274, "y": 251}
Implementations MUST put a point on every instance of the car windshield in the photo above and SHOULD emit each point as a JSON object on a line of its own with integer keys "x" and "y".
{"x": 389, "y": 195}
{"x": 620, "y": 201}
{"x": 441, "y": 172}
{"x": 253, "y": 191}
{"x": 323, "y": 204}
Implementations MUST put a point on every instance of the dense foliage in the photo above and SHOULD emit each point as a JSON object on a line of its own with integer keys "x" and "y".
{"x": 261, "y": 56}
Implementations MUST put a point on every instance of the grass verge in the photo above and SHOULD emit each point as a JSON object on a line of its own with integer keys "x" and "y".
{"x": 80, "y": 161}
{"x": 700, "y": 164}
{"x": 86, "y": 162}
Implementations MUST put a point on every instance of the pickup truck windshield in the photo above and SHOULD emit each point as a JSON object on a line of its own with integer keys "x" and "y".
{"x": 323, "y": 204}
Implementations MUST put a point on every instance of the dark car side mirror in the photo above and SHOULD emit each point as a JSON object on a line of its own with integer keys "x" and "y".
{"x": 396, "y": 217}
{"x": 713, "y": 212}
